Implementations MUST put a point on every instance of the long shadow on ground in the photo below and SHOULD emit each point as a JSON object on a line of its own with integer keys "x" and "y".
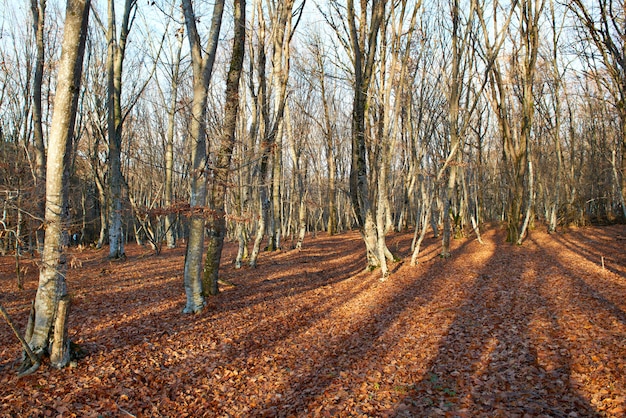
{"x": 488, "y": 363}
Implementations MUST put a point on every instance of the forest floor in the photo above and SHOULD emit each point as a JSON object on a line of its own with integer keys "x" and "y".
{"x": 495, "y": 331}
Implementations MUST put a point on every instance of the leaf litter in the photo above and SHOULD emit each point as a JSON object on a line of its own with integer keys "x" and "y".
{"x": 496, "y": 330}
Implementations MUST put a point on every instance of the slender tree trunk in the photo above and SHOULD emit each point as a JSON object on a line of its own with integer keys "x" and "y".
{"x": 202, "y": 70}
{"x": 622, "y": 185}
{"x": 266, "y": 139}
{"x": 363, "y": 61}
{"x": 169, "y": 148}
{"x": 217, "y": 223}
{"x": 423, "y": 220}
{"x": 38, "y": 10}
{"x": 104, "y": 204}
{"x": 52, "y": 286}
{"x": 271, "y": 129}
{"x": 115, "y": 62}
{"x": 330, "y": 150}
{"x": 529, "y": 203}
{"x": 276, "y": 205}
{"x": 333, "y": 226}
{"x": 447, "y": 213}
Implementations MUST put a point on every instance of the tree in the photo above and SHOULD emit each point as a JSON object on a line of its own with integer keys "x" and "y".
{"x": 605, "y": 27}
{"x": 47, "y": 330}
{"x": 221, "y": 168}
{"x": 329, "y": 134}
{"x": 516, "y": 132}
{"x": 271, "y": 120}
{"x": 115, "y": 63}
{"x": 358, "y": 32}
{"x": 202, "y": 66}
{"x": 169, "y": 143}
{"x": 38, "y": 10}
{"x": 363, "y": 37}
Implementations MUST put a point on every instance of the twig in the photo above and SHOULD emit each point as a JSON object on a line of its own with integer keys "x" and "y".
{"x": 33, "y": 358}
{"x": 125, "y": 411}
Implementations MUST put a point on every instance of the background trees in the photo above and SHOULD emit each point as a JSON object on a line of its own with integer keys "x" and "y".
{"x": 433, "y": 116}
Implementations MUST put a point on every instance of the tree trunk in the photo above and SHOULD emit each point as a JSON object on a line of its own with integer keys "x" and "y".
{"x": 52, "y": 286}
{"x": 202, "y": 70}
{"x": 217, "y": 224}
{"x": 60, "y": 350}
{"x": 276, "y": 205}
{"x": 104, "y": 204}
{"x": 39, "y": 11}
{"x": 169, "y": 149}
{"x": 330, "y": 149}
{"x": 282, "y": 32}
{"x": 115, "y": 62}
{"x": 447, "y": 212}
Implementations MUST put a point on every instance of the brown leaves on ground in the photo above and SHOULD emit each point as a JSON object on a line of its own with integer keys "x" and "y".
{"x": 497, "y": 330}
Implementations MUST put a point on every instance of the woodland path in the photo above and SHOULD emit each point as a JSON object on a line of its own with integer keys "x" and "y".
{"x": 494, "y": 331}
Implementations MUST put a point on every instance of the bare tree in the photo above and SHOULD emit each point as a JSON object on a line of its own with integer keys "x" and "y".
{"x": 394, "y": 82}
{"x": 605, "y": 26}
{"x": 358, "y": 31}
{"x": 169, "y": 143}
{"x": 516, "y": 131}
{"x": 115, "y": 62}
{"x": 271, "y": 127}
{"x": 221, "y": 168}
{"x": 202, "y": 66}
{"x": 38, "y": 10}
{"x": 47, "y": 331}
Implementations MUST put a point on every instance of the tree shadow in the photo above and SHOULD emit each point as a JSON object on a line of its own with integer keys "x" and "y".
{"x": 489, "y": 364}
{"x": 329, "y": 361}
{"x": 600, "y": 246}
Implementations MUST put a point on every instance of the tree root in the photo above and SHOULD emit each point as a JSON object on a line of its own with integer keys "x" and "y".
{"x": 28, "y": 368}
{"x": 226, "y": 282}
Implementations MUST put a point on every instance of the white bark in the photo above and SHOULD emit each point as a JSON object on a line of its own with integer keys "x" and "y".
{"x": 52, "y": 286}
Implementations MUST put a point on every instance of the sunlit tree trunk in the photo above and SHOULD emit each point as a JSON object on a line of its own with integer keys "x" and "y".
{"x": 169, "y": 146}
{"x": 329, "y": 133}
{"x": 363, "y": 47}
{"x": 531, "y": 11}
{"x": 454, "y": 97}
{"x": 515, "y": 139}
{"x": 262, "y": 108}
{"x": 557, "y": 86}
{"x": 274, "y": 232}
{"x": 271, "y": 122}
{"x": 52, "y": 286}
{"x": 202, "y": 70}
{"x": 115, "y": 63}
{"x": 299, "y": 174}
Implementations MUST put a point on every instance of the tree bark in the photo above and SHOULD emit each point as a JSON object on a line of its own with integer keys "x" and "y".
{"x": 363, "y": 42}
{"x": 115, "y": 63}
{"x": 169, "y": 147}
{"x": 217, "y": 223}
{"x": 60, "y": 350}
{"x": 38, "y": 9}
{"x": 52, "y": 286}
{"x": 202, "y": 70}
